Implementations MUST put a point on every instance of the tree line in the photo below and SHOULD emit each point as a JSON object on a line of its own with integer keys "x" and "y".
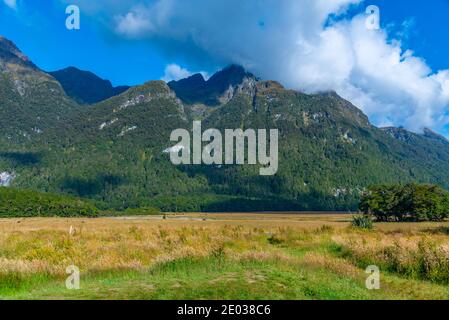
{"x": 409, "y": 202}
{"x": 29, "y": 203}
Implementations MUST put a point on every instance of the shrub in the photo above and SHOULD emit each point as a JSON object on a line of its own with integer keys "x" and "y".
{"x": 362, "y": 222}
{"x": 144, "y": 211}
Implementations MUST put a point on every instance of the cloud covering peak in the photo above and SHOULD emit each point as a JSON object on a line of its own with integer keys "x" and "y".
{"x": 308, "y": 45}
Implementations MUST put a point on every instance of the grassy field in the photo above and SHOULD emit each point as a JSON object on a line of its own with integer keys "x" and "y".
{"x": 222, "y": 256}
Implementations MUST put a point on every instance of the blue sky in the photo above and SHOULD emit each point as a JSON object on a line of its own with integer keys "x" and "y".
{"x": 38, "y": 28}
{"x": 429, "y": 26}
{"x": 130, "y": 42}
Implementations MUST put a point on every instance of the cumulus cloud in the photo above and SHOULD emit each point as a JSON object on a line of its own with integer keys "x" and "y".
{"x": 308, "y": 45}
{"x": 391, "y": 85}
{"x": 176, "y": 72}
{"x": 11, "y": 3}
{"x": 144, "y": 20}
{"x": 133, "y": 24}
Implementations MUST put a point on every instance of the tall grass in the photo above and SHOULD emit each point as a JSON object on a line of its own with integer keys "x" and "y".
{"x": 36, "y": 252}
{"x": 418, "y": 257}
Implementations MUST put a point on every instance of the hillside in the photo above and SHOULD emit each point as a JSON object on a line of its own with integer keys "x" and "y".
{"x": 112, "y": 151}
{"x": 31, "y": 101}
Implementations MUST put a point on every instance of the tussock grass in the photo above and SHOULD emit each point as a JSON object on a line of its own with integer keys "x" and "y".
{"x": 420, "y": 256}
{"x": 275, "y": 257}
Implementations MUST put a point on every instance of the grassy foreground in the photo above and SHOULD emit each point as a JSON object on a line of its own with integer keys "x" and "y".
{"x": 223, "y": 256}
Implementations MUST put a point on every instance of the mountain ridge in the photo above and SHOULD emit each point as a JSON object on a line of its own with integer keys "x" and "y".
{"x": 10, "y": 53}
{"x": 32, "y": 100}
{"x": 195, "y": 89}
{"x": 85, "y": 87}
{"x": 113, "y": 151}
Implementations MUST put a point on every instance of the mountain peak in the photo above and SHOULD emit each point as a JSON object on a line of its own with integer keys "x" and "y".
{"x": 85, "y": 86}
{"x": 9, "y": 53}
{"x": 195, "y": 89}
{"x": 407, "y": 136}
{"x": 196, "y": 79}
{"x": 231, "y": 75}
{"x": 232, "y": 69}
{"x": 433, "y": 135}
{"x": 399, "y": 133}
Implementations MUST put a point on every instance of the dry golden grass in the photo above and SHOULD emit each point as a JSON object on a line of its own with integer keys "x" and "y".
{"x": 418, "y": 253}
{"x": 313, "y": 241}
{"x": 46, "y": 245}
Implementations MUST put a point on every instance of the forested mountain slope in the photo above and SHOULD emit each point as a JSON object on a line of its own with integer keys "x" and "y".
{"x": 31, "y": 101}
{"x": 113, "y": 151}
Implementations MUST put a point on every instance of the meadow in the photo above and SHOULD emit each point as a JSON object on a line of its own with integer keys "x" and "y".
{"x": 222, "y": 256}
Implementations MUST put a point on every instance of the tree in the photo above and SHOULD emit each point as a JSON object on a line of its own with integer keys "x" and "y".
{"x": 410, "y": 202}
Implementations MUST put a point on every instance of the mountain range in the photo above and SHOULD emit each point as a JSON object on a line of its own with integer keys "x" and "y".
{"x": 106, "y": 144}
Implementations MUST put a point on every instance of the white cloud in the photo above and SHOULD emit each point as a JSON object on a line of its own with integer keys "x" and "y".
{"x": 176, "y": 72}
{"x": 301, "y": 44}
{"x": 132, "y": 24}
{"x": 391, "y": 85}
{"x": 11, "y": 3}
{"x": 137, "y": 23}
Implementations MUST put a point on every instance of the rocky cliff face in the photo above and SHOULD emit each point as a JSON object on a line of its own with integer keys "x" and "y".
{"x": 6, "y": 178}
{"x": 11, "y": 55}
{"x": 219, "y": 89}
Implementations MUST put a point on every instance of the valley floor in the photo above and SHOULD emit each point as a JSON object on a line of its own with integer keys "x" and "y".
{"x": 222, "y": 256}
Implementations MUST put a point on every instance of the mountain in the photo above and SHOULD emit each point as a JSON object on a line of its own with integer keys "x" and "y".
{"x": 10, "y": 54}
{"x": 412, "y": 138}
{"x": 31, "y": 101}
{"x": 215, "y": 91}
{"x": 86, "y": 87}
{"x": 113, "y": 151}
{"x": 329, "y": 152}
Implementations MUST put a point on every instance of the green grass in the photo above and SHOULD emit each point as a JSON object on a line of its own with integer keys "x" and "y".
{"x": 199, "y": 279}
{"x": 220, "y": 278}
{"x": 277, "y": 259}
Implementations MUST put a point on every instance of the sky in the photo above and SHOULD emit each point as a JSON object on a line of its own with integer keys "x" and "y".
{"x": 398, "y": 74}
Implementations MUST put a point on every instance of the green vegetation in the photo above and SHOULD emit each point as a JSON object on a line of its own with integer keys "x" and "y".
{"x": 410, "y": 202}
{"x": 28, "y": 203}
{"x": 328, "y": 154}
{"x": 206, "y": 278}
{"x": 31, "y": 101}
{"x": 112, "y": 152}
{"x": 130, "y": 212}
{"x": 319, "y": 258}
{"x": 426, "y": 261}
{"x": 362, "y": 222}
